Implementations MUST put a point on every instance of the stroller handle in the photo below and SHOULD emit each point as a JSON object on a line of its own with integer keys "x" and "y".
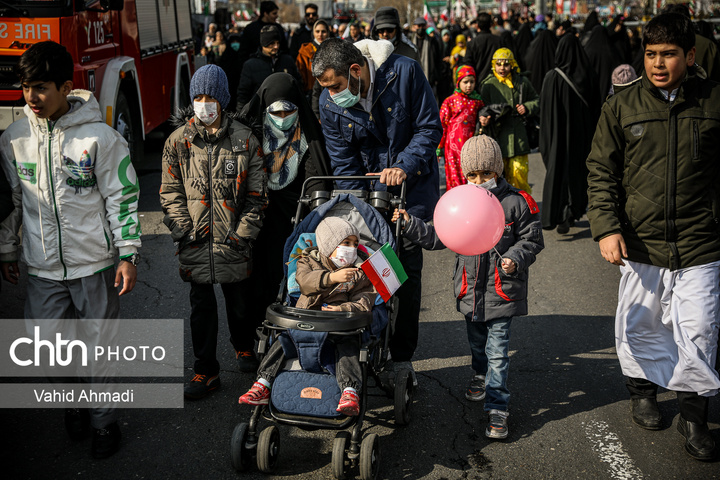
{"x": 399, "y": 202}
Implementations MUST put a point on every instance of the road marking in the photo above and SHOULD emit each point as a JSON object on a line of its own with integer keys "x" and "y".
{"x": 610, "y": 450}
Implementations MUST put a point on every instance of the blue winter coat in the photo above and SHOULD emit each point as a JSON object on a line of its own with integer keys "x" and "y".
{"x": 403, "y": 131}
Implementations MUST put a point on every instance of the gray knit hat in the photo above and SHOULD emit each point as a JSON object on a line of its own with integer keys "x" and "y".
{"x": 210, "y": 80}
{"x": 623, "y": 74}
{"x": 481, "y": 153}
{"x": 331, "y": 232}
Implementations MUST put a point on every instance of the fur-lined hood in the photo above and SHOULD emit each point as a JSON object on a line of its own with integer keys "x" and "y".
{"x": 378, "y": 50}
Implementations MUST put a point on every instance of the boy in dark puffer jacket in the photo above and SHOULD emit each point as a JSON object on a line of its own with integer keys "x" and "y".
{"x": 490, "y": 288}
{"x": 213, "y": 194}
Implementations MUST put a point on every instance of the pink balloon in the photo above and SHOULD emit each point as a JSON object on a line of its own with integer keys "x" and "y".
{"x": 469, "y": 220}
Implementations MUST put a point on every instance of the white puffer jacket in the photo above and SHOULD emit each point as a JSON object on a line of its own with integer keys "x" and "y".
{"x": 75, "y": 193}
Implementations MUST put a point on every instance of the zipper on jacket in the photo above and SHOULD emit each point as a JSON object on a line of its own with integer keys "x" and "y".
{"x": 52, "y": 191}
{"x": 696, "y": 141}
{"x": 670, "y": 203}
{"x": 210, "y": 208}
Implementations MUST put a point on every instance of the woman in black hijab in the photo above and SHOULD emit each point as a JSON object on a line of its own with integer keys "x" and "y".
{"x": 619, "y": 38}
{"x": 522, "y": 40}
{"x": 569, "y": 110}
{"x": 603, "y": 58}
{"x": 540, "y": 57}
{"x": 590, "y": 22}
{"x": 294, "y": 149}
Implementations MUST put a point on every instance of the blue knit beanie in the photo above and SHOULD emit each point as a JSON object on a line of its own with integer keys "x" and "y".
{"x": 210, "y": 80}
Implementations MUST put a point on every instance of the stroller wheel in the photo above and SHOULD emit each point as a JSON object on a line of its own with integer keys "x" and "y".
{"x": 240, "y": 454}
{"x": 340, "y": 444}
{"x": 268, "y": 449}
{"x": 370, "y": 457}
{"x": 403, "y": 396}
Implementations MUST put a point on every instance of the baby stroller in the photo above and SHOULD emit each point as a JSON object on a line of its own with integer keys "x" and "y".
{"x": 304, "y": 393}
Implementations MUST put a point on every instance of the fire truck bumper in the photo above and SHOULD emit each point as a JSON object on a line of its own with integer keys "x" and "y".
{"x": 9, "y": 115}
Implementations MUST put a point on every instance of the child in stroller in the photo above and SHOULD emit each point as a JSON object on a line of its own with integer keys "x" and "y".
{"x": 330, "y": 281}
{"x": 305, "y": 392}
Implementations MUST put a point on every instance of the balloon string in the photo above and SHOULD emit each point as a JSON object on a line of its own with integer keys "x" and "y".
{"x": 498, "y": 253}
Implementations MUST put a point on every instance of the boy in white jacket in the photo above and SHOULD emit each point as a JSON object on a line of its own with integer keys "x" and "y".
{"x": 75, "y": 194}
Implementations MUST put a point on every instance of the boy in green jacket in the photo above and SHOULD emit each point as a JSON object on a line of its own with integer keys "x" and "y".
{"x": 654, "y": 207}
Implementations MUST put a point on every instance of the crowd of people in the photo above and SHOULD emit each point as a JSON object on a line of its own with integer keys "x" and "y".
{"x": 272, "y": 109}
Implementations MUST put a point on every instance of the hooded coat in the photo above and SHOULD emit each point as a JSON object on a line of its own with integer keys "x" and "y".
{"x": 212, "y": 195}
{"x": 313, "y": 270}
{"x": 540, "y": 57}
{"x": 402, "y": 130}
{"x": 565, "y": 141}
{"x": 75, "y": 193}
{"x": 522, "y": 40}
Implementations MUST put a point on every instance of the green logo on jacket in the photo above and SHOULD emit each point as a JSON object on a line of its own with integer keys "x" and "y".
{"x": 26, "y": 171}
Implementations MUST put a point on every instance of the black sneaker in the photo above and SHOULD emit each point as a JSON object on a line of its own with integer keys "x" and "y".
{"x": 246, "y": 361}
{"x": 476, "y": 390}
{"x": 77, "y": 423}
{"x": 497, "y": 426}
{"x": 200, "y": 386}
{"x": 106, "y": 441}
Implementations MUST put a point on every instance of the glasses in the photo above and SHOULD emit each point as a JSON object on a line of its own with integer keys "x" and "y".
{"x": 502, "y": 64}
{"x": 385, "y": 30}
{"x": 311, "y": 14}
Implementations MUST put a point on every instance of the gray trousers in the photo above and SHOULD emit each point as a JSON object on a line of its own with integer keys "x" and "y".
{"x": 78, "y": 309}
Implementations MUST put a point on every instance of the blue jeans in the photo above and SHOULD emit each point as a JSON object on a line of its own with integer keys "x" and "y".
{"x": 489, "y": 345}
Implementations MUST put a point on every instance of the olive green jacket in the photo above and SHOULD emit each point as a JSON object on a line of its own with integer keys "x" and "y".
{"x": 508, "y": 129}
{"x": 213, "y": 193}
{"x": 654, "y": 172}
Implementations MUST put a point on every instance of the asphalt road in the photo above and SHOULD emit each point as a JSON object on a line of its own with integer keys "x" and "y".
{"x": 569, "y": 408}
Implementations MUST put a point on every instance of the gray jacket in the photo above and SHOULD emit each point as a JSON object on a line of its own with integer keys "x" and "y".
{"x": 483, "y": 291}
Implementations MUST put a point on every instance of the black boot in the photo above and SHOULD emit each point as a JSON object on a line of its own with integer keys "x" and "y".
{"x": 692, "y": 424}
{"x": 643, "y": 403}
{"x": 106, "y": 441}
{"x": 645, "y": 413}
{"x": 699, "y": 444}
{"x": 77, "y": 423}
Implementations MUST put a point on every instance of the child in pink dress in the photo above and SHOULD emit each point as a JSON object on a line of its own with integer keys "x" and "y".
{"x": 459, "y": 115}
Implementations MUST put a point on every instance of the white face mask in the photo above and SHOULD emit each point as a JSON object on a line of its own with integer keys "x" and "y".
{"x": 489, "y": 185}
{"x": 206, "y": 111}
{"x": 344, "y": 256}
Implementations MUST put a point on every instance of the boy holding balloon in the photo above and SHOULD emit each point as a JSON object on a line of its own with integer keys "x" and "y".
{"x": 491, "y": 272}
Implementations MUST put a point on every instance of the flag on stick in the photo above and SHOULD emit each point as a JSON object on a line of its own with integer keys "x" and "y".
{"x": 427, "y": 15}
{"x": 385, "y": 271}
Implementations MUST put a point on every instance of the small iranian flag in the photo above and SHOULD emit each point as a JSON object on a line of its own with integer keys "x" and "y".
{"x": 385, "y": 271}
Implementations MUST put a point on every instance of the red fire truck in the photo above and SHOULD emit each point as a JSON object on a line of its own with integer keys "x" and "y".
{"x": 134, "y": 55}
